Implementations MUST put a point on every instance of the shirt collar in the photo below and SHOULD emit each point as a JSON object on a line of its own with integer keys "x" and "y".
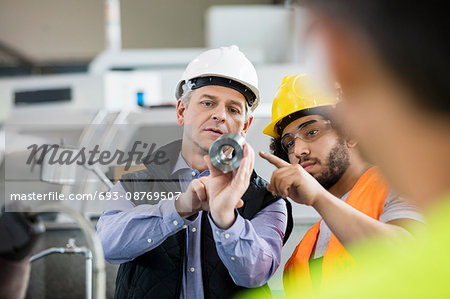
{"x": 182, "y": 165}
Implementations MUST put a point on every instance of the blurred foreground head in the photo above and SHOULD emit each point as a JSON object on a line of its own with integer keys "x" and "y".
{"x": 392, "y": 61}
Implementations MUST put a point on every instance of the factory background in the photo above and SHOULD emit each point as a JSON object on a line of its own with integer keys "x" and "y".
{"x": 76, "y": 72}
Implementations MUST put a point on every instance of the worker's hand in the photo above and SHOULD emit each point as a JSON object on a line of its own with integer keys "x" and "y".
{"x": 224, "y": 190}
{"x": 194, "y": 199}
{"x": 293, "y": 181}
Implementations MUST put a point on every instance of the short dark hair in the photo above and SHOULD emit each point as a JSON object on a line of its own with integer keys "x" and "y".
{"x": 411, "y": 39}
{"x": 277, "y": 149}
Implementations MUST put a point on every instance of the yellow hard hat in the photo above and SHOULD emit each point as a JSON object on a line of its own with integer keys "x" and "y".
{"x": 296, "y": 93}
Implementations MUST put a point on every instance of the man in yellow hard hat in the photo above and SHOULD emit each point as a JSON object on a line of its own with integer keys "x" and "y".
{"x": 321, "y": 167}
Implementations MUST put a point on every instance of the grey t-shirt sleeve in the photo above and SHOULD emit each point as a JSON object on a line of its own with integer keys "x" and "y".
{"x": 398, "y": 207}
{"x": 395, "y": 207}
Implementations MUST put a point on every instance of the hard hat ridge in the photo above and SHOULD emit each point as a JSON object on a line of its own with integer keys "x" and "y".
{"x": 225, "y": 66}
{"x": 298, "y": 95}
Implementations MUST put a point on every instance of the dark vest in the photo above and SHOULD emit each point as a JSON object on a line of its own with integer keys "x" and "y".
{"x": 158, "y": 273}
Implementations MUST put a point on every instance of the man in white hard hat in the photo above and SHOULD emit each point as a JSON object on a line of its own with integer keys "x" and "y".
{"x": 225, "y": 231}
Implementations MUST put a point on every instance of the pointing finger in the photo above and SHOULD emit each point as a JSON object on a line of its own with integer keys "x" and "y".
{"x": 274, "y": 160}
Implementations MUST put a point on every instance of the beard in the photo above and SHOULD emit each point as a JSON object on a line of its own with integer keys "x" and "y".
{"x": 337, "y": 163}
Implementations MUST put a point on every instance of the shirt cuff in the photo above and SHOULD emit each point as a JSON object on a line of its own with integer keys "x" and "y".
{"x": 229, "y": 235}
{"x": 170, "y": 217}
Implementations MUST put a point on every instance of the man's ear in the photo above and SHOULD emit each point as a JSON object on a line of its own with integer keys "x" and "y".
{"x": 181, "y": 109}
{"x": 246, "y": 126}
{"x": 351, "y": 143}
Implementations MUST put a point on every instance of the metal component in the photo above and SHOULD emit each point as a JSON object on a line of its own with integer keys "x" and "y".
{"x": 94, "y": 260}
{"x": 71, "y": 248}
{"x": 46, "y": 252}
{"x": 227, "y": 152}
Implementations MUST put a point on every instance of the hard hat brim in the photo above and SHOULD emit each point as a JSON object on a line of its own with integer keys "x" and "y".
{"x": 272, "y": 130}
{"x": 253, "y": 89}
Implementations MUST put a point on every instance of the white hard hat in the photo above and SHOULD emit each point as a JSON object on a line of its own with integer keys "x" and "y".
{"x": 225, "y": 66}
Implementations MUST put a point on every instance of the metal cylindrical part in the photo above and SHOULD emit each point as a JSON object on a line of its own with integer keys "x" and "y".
{"x": 227, "y": 152}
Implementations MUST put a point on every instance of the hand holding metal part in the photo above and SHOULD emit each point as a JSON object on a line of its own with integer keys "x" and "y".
{"x": 227, "y": 152}
{"x": 225, "y": 189}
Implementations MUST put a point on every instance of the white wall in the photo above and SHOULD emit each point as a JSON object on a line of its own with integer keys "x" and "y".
{"x": 55, "y": 30}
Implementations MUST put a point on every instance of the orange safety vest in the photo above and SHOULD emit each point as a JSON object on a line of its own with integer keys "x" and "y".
{"x": 368, "y": 196}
